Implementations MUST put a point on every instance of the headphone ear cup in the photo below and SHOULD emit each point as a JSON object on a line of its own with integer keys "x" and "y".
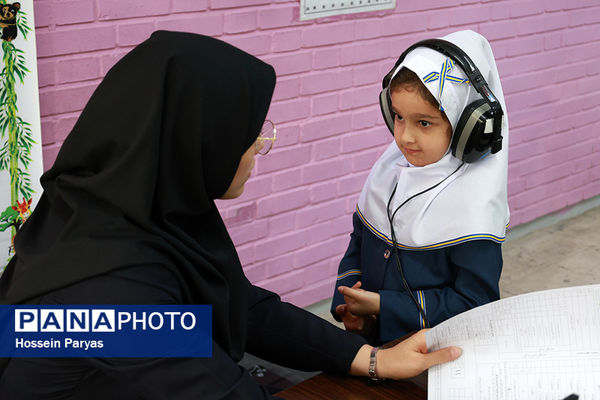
{"x": 386, "y": 108}
{"x": 470, "y": 141}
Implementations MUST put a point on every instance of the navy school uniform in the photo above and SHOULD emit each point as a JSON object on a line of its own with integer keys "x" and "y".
{"x": 446, "y": 281}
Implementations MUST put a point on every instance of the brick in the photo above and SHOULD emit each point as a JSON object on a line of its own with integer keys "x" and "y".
{"x": 548, "y": 175}
{"x": 281, "y": 202}
{"x": 525, "y": 8}
{"x": 254, "y": 44}
{"x": 324, "y": 149}
{"x": 286, "y": 88}
{"x": 360, "y": 97}
{"x": 284, "y": 158}
{"x": 528, "y": 45}
{"x": 340, "y": 229}
{"x": 279, "y": 245}
{"x": 237, "y": 22}
{"x": 543, "y": 23}
{"x": 580, "y": 35}
{"x": 319, "y": 213}
{"x": 366, "y": 74}
{"x": 470, "y": 15}
{"x": 499, "y": 12}
{"x": 322, "y": 192}
{"x": 286, "y": 180}
{"x": 280, "y": 265}
{"x": 497, "y": 30}
{"x": 324, "y": 104}
{"x": 433, "y": 4}
{"x": 46, "y": 73}
{"x": 368, "y": 29}
{"x": 248, "y": 232}
{"x": 281, "y": 224}
{"x": 326, "y": 81}
{"x": 58, "y": 101}
{"x": 257, "y": 187}
{"x": 358, "y": 141}
{"x": 290, "y": 63}
{"x": 438, "y": 19}
{"x": 570, "y": 72}
{"x": 592, "y": 16}
{"x": 178, "y": 6}
{"x": 326, "y": 58}
{"x": 364, "y": 52}
{"x": 208, "y": 24}
{"x": 116, "y": 9}
{"x": 134, "y": 34}
{"x": 72, "y": 12}
{"x": 287, "y": 41}
{"x": 328, "y": 35}
{"x": 516, "y": 186}
{"x": 577, "y": 18}
{"x": 525, "y": 151}
{"x": 529, "y": 197}
{"x": 290, "y": 110}
{"x": 324, "y": 170}
{"x": 553, "y": 5}
{"x": 400, "y": 25}
{"x": 275, "y": 17}
{"x": 77, "y": 69}
{"x": 220, "y": 4}
{"x": 287, "y": 135}
{"x": 43, "y": 13}
{"x": 319, "y": 128}
{"x": 351, "y": 184}
{"x": 315, "y": 262}
{"x": 47, "y": 126}
{"x": 72, "y": 41}
{"x": 364, "y": 161}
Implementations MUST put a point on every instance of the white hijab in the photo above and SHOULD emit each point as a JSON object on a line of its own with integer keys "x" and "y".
{"x": 472, "y": 203}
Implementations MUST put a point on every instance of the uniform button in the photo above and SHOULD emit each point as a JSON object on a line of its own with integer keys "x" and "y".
{"x": 386, "y": 254}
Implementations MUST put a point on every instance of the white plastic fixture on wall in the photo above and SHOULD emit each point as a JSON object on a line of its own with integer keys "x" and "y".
{"x": 311, "y": 9}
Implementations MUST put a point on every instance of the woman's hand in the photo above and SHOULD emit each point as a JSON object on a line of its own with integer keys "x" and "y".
{"x": 404, "y": 360}
{"x": 360, "y": 301}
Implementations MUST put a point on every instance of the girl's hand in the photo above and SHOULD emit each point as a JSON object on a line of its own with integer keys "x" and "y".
{"x": 361, "y": 324}
{"x": 360, "y": 301}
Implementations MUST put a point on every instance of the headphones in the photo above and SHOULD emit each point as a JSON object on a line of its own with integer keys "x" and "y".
{"x": 479, "y": 127}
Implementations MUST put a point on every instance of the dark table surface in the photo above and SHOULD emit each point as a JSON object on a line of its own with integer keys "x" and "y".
{"x": 336, "y": 387}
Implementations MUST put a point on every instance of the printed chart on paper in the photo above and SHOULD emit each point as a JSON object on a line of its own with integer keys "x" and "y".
{"x": 541, "y": 345}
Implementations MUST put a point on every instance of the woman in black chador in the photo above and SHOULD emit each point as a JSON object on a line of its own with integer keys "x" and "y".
{"x": 128, "y": 217}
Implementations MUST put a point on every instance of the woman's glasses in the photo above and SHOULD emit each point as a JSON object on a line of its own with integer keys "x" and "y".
{"x": 266, "y": 138}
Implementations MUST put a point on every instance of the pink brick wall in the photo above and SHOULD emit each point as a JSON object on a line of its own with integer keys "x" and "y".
{"x": 292, "y": 224}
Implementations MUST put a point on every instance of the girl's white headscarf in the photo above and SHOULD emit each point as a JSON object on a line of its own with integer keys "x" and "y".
{"x": 472, "y": 203}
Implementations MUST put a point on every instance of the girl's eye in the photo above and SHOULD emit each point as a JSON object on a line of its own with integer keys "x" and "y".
{"x": 397, "y": 116}
{"x": 424, "y": 124}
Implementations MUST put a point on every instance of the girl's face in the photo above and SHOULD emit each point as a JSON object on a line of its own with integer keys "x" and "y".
{"x": 421, "y": 131}
{"x": 236, "y": 188}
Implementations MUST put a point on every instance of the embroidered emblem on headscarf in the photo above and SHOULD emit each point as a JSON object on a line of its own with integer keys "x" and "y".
{"x": 444, "y": 75}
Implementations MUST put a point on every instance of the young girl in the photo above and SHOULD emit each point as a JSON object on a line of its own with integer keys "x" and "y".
{"x": 433, "y": 212}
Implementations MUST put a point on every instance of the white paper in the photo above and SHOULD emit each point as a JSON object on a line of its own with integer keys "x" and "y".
{"x": 540, "y": 345}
